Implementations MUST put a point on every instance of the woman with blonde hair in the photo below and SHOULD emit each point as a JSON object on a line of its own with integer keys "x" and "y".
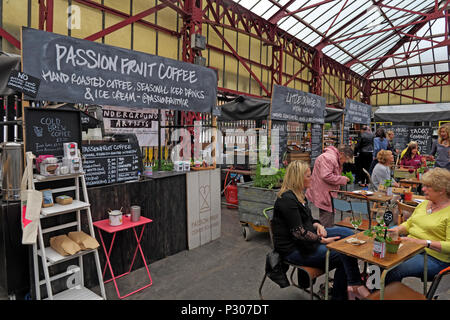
{"x": 382, "y": 170}
{"x": 441, "y": 147}
{"x": 428, "y": 225}
{"x": 301, "y": 239}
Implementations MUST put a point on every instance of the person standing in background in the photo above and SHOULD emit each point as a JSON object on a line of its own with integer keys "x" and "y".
{"x": 441, "y": 147}
{"x": 327, "y": 176}
{"x": 391, "y": 147}
{"x": 379, "y": 143}
{"x": 364, "y": 151}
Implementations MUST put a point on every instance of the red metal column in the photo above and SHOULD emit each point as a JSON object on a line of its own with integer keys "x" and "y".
{"x": 316, "y": 81}
{"x": 192, "y": 24}
{"x": 46, "y": 15}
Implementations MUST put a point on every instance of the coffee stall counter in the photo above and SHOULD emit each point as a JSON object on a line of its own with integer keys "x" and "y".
{"x": 165, "y": 174}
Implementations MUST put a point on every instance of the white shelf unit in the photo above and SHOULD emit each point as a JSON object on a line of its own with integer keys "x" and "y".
{"x": 49, "y": 257}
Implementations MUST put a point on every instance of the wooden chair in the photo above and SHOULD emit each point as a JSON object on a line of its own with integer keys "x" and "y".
{"x": 306, "y": 276}
{"x": 404, "y": 212}
{"x": 352, "y": 203}
{"x": 399, "y": 291}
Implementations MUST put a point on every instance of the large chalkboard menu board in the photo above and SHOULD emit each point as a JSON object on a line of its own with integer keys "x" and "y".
{"x": 316, "y": 141}
{"x": 46, "y": 130}
{"x": 294, "y": 105}
{"x": 111, "y": 162}
{"x": 401, "y": 136}
{"x": 423, "y": 137}
{"x": 82, "y": 71}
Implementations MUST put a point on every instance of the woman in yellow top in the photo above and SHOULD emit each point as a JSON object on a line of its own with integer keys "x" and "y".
{"x": 428, "y": 225}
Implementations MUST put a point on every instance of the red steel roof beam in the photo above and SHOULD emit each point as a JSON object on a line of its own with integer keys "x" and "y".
{"x": 10, "y": 38}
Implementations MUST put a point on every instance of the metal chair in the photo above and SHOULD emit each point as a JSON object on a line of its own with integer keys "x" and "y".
{"x": 440, "y": 287}
{"x": 353, "y": 203}
{"x": 306, "y": 276}
{"x": 369, "y": 178}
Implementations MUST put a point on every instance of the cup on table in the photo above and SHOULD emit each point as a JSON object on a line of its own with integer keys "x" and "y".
{"x": 393, "y": 234}
{"x": 408, "y": 196}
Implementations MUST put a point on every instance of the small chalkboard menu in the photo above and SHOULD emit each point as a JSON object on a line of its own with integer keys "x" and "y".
{"x": 111, "y": 162}
{"x": 282, "y": 134}
{"x": 316, "y": 141}
{"x": 46, "y": 130}
{"x": 294, "y": 105}
{"x": 423, "y": 137}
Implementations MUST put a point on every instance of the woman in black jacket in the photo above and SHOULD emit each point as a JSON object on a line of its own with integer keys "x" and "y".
{"x": 300, "y": 239}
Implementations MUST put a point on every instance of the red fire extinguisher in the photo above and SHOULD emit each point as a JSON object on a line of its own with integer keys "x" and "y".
{"x": 231, "y": 193}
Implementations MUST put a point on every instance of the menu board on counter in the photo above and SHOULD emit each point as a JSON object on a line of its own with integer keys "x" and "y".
{"x": 82, "y": 71}
{"x": 111, "y": 162}
{"x": 46, "y": 130}
{"x": 294, "y": 105}
{"x": 316, "y": 142}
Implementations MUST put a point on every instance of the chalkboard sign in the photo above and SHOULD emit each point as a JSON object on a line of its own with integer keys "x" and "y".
{"x": 113, "y": 162}
{"x": 316, "y": 142}
{"x": 82, "y": 71}
{"x": 46, "y": 130}
{"x": 357, "y": 112}
{"x": 423, "y": 137}
{"x": 25, "y": 83}
{"x": 346, "y": 134}
{"x": 401, "y": 136}
{"x": 294, "y": 105}
{"x": 281, "y": 126}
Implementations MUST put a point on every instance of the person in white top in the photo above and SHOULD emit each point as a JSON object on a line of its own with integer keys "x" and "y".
{"x": 382, "y": 170}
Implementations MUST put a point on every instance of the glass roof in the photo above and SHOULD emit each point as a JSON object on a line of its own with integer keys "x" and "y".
{"x": 379, "y": 39}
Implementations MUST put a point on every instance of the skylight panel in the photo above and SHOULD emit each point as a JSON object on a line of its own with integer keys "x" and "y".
{"x": 248, "y": 4}
{"x": 415, "y": 71}
{"x": 442, "y": 67}
{"x": 262, "y": 7}
{"x": 402, "y": 72}
{"x": 428, "y": 69}
{"x": 288, "y": 23}
{"x": 270, "y": 12}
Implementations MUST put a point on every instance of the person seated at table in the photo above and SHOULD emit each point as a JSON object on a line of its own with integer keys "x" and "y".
{"x": 428, "y": 225}
{"x": 301, "y": 239}
{"x": 411, "y": 158}
{"x": 382, "y": 170}
{"x": 441, "y": 147}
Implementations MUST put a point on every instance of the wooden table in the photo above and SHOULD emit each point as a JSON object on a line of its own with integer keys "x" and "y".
{"x": 364, "y": 252}
{"x": 411, "y": 181}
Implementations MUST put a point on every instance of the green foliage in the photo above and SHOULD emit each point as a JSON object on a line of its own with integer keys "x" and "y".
{"x": 387, "y": 183}
{"x": 165, "y": 165}
{"x": 378, "y": 233}
{"x": 348, "y": 175}
{"x": 268, "y": 181}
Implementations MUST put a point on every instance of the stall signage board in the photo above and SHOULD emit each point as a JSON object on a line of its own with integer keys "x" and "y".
{"x": 401, "y": 136}
{"x": 46, "y": 130}
{"x": 113, "y": 162}
{"x": 23, "y": 82}
{"x": 357, "y": 112}
{"x": 316, "y": 142}
{"x": 294, "y": 105}
{"x": 423, "y": 137}
{"x": 82, "y": 71}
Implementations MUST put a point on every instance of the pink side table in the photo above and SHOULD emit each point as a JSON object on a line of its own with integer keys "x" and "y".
{"x": 126, "y": 224}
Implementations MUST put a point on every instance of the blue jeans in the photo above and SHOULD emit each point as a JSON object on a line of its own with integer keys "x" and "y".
{"x": 347, "y": 270}
{"x": 413, "y": 267}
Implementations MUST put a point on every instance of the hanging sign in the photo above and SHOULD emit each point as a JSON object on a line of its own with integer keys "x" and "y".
{"x": 23, "y": 82}
{"x": 294, "y": 105}
{"x": 82, "y": 71}
{"x": 357, "y": 112}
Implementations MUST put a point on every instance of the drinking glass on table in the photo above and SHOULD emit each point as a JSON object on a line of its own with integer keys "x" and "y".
{"x": 356, "y": 222}
{"x": 379, "y": 218}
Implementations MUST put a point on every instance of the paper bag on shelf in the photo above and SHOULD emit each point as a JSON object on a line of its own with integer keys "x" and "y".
{"x": 84, "y": 240}
{"x": 64, "y": 245}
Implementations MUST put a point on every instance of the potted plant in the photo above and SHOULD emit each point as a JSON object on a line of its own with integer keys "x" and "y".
{"x": 382, "y": 240}
{"x": 349, "y": 186}
{"x": 388, "y": 186}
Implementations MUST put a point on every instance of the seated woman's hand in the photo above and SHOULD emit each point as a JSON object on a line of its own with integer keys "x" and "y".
{"x": 329, "y": 240}
{"x": 418, "y": 241}
{"x": 321, "y": 230}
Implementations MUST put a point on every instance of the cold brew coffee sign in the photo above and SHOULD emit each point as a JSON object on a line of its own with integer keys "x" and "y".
{"x": 294, "y": 105}
{"x": 357, "y": 112}
{"x": 81, "y": 71}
